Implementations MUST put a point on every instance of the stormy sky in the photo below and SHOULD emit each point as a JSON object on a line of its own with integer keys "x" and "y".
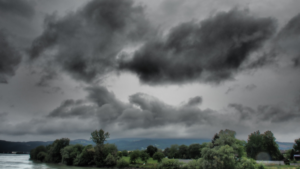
{"x": 149, "y": 69}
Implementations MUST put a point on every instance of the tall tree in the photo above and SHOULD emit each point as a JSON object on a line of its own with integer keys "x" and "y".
{"x": 254, "y": 144}
{"x": 173, "y": 151}
{"x": 183, "y": 151}
{"x": 54, "y": 151}
{"x": 270, "y": 145}
{"x": 99, "y": 137}
{"x": 194, "y": 151}
{"x": 297, "y": 145}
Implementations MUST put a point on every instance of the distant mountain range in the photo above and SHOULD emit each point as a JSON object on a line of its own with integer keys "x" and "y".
{"x": 122, "y": 144}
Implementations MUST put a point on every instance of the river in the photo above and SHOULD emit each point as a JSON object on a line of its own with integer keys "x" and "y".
{"x": 21, "y": 161}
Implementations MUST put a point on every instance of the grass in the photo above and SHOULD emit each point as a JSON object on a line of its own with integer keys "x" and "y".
{"x": 281, "y": 167}
{"x": 150, "y": 163}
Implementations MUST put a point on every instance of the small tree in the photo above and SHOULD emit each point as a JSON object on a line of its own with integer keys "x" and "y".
{"x": 158, "y": 156}
{"x": 151, "y": 150}
{"x": 144, "y": 156}
{"x": 120, "y": 154}
{"x": 122, "y": 163}
{"x": 125, "y": 153}
{"x": 110, "y": 160}
{"x": 134, "y": 156}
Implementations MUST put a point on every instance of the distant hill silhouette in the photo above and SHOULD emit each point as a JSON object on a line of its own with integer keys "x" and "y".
{"x": 122, "y": 144}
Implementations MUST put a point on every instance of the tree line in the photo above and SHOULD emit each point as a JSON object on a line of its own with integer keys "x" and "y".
{"x": 224, "y": 151}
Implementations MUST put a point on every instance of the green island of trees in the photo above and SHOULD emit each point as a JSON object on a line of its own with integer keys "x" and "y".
{"x": 223, "y": 152}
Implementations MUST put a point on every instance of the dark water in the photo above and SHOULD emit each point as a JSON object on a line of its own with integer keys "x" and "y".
{"x": 21, "y": 161}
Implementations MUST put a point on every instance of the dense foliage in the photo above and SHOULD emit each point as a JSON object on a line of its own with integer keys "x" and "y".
{"x": 223, "y": 152}
{"x": 263, "y": 143}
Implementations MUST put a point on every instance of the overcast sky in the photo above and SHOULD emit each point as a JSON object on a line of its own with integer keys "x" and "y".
{"x": 150, "y": 69}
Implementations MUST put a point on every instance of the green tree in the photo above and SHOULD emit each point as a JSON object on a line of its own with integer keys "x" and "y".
{"x": 166, "y": 151}
{"x": 296, "y": 146}
{"x": 254, "y": 144}
{"x": 120, "y": 154}
{"x": 99, "y": 136}
{"x": 151, "y": 150}
{"x": 134, "y": 156}
{"x": 125, "y": 153}
{"x": 69, "y": 153}
{"x": 194, "y": 151}
{"x": 173, "y": 151}
{"x": 110, "y": 149}
{"x": 54, "y": 149}
{"x": 42, "y": 156}
{"x": 144, "y": 156}
{"x": 86, "y": 157}
{"x": 110, "y": 160}
{"x": 122, "y": 163}
{"x": 270, "y": 145}
{"x": 183, "y": 151}
{"x": 158, "y": 156}
{"x": 34, "y": 153}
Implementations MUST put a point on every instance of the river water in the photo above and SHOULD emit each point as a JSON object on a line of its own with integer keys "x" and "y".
{"x": 21, "y": 161}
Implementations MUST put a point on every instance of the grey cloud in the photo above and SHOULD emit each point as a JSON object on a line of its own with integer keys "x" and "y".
{"x": 213, "y": 50}
{"x": 71, "y": 108}
{"x": 10, "y": 58}
{"x": 270, "y": 113}
{"x": 145, "y": 113}
{"x": 23, "y": 8}
{"x": 47, "y": 76}
{"x": 195, "y": 101}
{"x": 288, "y": 39}
{"x": 86, "y": 43}
{"x": 250, "y": 87}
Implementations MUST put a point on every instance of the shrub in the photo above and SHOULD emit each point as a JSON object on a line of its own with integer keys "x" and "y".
{"x": 110, "y": 160}
{"x": 122, "y": 163}
{"x": 169, "y": 164}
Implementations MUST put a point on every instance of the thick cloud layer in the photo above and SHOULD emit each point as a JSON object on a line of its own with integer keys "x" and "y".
{"x": 10, "y": 58}
{"x": 147, "y": 116}
{"x": 23, "y": 8}
{"x": 86, "y": 43}
{"x": 288, "y": 40}
{"x": 210, "y": 51}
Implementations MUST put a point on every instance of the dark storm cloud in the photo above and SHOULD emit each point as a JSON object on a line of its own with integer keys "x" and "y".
{"x": 143, "y": 111}
{"x": 23, "y": 8}
{"x": 210, "y": 51}
{"x": 71, "y": 108}
{"x": 86, "y": 43}
{"x": 9, "y": 58}
{"x": 288, "y": 40}
{"x": 195, "y": 101}
{"x": 47, "y": 76}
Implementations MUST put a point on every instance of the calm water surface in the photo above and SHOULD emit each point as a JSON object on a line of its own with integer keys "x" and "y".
{"x": 21, "y": 161}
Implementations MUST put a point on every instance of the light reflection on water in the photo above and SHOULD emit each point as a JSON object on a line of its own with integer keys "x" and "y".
{"x": 21, "y": 161}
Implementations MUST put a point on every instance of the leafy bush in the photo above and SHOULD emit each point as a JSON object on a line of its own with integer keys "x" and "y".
{"x": 169, "y": 164}
{"x": 110, "y": 160}
{"x": 122, "y": 163}
{"x": 134, "y": 156}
